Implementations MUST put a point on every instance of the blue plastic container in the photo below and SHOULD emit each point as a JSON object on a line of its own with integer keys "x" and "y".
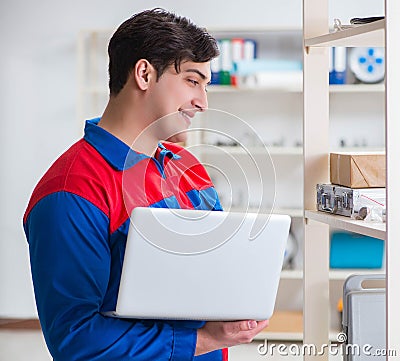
{"x": 351, "y": 250}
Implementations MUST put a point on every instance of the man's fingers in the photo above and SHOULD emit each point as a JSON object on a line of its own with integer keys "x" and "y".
{"x": 250, "y": 325}
{"x": 214, "y": 335}
{"x": 263, "y": 324}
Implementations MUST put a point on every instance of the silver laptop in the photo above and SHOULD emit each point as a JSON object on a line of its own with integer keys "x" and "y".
{"x": 201, "y": 265}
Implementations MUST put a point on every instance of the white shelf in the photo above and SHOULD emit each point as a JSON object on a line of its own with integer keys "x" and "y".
{"x": 253, "y": 151}
{"x": 333, "y": 88}
{"x": 334, "y": 274}
{"x": 372, "y": 229}
{"x": 357, "y": 88}
{"x": 383, "y": 33}
{"x": 298, "y": 88}
{"x": 372, "y": 34}
{"x": 295, "y": 274}
{"x": 290, "y": 336}
{"x": 289, "y": 88}
{"x": 245, "y": 29}
{"x": 278, "y": 151}
{"x": 342, "y": 274}
{"x": 292, "y": 212}
{"x": 358, "y": 150}
{"x": 237, "y": 30}
{"x": 279, "y": 336}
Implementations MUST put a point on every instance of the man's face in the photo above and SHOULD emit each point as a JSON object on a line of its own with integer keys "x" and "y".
{"x": 176, "y": 97}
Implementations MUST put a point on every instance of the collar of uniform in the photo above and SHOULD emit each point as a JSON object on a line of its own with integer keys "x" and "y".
{"x": 113, "y": 150}
{"x": 166, "y": 152}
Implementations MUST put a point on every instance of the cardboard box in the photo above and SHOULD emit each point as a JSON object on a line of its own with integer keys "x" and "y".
{"x": 358, "y": 170}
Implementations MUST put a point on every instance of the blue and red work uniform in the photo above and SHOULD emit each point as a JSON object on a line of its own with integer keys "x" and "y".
{"x": 76, "y": 224}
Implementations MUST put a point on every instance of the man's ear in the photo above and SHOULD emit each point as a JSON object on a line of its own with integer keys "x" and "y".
{"x": 143, "y": 73}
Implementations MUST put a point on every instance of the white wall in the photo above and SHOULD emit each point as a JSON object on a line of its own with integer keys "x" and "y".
{"x": 38, "y": 99}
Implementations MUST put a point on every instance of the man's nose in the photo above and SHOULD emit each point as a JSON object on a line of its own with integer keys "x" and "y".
{"x": 200, "y": 102}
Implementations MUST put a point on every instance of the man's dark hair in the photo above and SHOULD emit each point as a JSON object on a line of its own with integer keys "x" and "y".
{"x": 160, "y": 37}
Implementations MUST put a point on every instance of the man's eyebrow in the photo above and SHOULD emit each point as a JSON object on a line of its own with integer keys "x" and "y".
{"x": 202, "y": 76}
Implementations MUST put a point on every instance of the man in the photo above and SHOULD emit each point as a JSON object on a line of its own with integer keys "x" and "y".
{"x": 77, "y": 219}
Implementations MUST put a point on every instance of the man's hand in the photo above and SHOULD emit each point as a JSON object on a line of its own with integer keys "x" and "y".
{"x": 216, "y": 335}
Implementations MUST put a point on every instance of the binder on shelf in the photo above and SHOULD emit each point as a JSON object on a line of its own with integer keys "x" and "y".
{"x": 215, "y": 69}
{"x": 232, "y": 51}
{"x": 249, "y": 49}
{"x": 237, "y": 55}
{"x": 337, "y": 65}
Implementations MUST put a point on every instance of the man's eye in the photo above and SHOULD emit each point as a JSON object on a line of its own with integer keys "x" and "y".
{"x": 194, "y": 82}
